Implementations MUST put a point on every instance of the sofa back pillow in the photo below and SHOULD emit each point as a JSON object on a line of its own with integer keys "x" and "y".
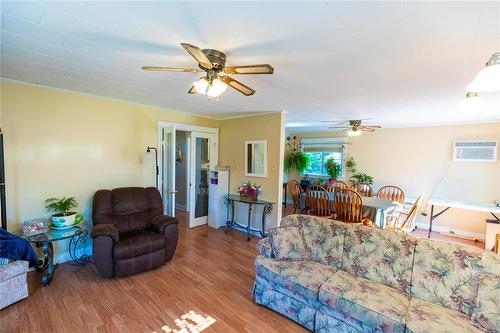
{"x": 486, "y": 315}
{"x": 448, "y": 274}
{"x": 379, "y": 255}
{"x": 324, "y": 238}
{"x": 288, "y": 243}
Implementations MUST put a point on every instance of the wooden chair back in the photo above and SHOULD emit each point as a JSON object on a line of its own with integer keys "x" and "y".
{"x": 295, "y": 191}
{"x": 405, "y": 222}
{"x": 391, "y": 192}
{"x": 318, "y": 201}
{"x": 364, "y": 189}
{"x": 335, "y": 185}
{"x": 348, "y": 206}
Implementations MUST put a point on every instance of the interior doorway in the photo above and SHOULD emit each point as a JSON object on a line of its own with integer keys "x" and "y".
{"x": 187, "y": 154}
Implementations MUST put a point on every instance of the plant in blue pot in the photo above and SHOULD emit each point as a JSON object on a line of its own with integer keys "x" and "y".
{"x": 64, "y": 217}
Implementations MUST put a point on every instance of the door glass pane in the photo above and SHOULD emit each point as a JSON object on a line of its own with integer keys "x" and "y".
{"x": 201, "y": 169}
{"x": 168, "y": 175}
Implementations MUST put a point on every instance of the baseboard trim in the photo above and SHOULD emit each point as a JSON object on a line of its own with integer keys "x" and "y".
{"x": 457, "y": 232}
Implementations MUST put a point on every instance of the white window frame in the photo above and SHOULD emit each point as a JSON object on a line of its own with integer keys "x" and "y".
{"x": 318, "y": 141}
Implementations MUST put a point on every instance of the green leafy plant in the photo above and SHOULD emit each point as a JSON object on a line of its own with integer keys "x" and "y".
{"x": 62, "y": 206}
{"x": 298, "y": 161}
{"x": 350, "y": 165}
{"x": 361, "y": 177}
{"x": 333, "y": 168}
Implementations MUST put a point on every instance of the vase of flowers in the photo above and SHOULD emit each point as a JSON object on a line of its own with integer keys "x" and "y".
{"x": 248, "y": 191}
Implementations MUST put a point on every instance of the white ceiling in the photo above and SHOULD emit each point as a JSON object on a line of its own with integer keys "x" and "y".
{"x": 402, "y": 63}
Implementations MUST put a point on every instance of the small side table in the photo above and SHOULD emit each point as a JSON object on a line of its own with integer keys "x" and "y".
{"x": 76, "y": 236}
{"x": 232, "y": 198}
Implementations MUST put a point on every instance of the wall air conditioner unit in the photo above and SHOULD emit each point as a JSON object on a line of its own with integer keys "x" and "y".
{"x": 475, "y": 151}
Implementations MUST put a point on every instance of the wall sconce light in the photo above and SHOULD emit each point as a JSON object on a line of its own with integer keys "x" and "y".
{"x": 148, "y": 150}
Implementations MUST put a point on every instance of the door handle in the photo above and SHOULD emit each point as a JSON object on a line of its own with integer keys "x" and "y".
{"x": 172, "y": 192}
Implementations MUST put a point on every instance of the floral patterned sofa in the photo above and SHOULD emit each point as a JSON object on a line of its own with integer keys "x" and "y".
{"x": 334, "y": 277}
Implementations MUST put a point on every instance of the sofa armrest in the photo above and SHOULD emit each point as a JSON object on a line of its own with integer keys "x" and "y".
{"x": 160, "y": 222}
{"x": 108, "y": 230}
{"x": 264, "y": 247}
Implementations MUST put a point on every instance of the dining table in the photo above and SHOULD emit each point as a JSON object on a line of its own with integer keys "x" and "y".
{"x": 375, "y": 209}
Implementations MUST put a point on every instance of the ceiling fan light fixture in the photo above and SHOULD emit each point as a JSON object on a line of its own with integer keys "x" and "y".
{"x": 201, "y": 85}
{"x": 354, "y": 132}
{"x": 488, "y": 79}
{"x": 216, "y": 87}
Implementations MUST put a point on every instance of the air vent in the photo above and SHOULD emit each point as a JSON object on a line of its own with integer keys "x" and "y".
{"x": 475, "y": 151}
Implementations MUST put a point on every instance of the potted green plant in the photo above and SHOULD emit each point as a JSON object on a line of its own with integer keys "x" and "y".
{"x": 63, "y": 216}
{"x": 298, "y": 161}
{"x": 333, "y": 168}
{"x": 361, "y": 177}
{"x": 350, "y": 165}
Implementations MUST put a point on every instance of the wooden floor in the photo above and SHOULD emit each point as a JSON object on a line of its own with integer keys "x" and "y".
{"x": 211, "y": 274}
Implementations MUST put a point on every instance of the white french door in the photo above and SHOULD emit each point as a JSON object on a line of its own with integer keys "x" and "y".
{"x": 168, "y": 169}
{"x": 203, "y": 159}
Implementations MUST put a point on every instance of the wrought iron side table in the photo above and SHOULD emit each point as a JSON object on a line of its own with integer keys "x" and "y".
{"x": 76, "y": 236}
{"x": 231, "y": 199}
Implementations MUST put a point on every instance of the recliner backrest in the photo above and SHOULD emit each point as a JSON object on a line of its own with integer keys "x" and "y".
{"x": 128, "y": 208}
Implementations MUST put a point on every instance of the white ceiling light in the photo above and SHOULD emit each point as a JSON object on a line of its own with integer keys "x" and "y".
{"x": 211, "y": 88}
{"x": 201, "y": 85}
{"x": 354, "y": 132}
{"x": 216, "y": 88}
{"x": 488, "y": 79}
{"x": 472, "y": 103}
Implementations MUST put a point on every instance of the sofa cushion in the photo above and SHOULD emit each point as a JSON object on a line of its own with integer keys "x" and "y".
{"x": 288, "y": 243}
{"x": 13, "y": 269}
{"x": 298, "y": 279}
{"x": 136, "y": 243}
{"x": 264, "y": 247}
{"x": 379, "y": 255}
{"x": 448, "y": 274}
{"x": 374, "y": 303}
{"x": 324, "y": 238}
{"x": 425, "y": 317}
{"x": 486, "y": 315}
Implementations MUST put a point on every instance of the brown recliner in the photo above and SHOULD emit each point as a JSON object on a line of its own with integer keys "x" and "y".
{"x": 130, "y": 232}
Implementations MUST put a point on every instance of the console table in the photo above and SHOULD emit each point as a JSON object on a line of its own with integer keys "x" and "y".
{"x": 76, "y": 235}
{"x": 231, "y": 199}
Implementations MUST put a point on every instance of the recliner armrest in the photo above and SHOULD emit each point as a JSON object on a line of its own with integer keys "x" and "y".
{"x": 160, "y": 222}
{"x": 106, "y": 229}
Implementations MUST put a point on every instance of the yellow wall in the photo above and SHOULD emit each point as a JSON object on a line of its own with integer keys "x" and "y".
{"x": 59, "y": 143}
{"x": 232, "y": 136}
{"x": 420, "y": 161}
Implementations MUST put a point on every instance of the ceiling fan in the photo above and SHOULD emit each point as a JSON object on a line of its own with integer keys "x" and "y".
{"x": 353, "y": 127}
{"x": 213, "y": 63}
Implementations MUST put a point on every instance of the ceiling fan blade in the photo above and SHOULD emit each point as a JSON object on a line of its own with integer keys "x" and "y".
{"x": 169, "y": 69}
{"x": 192, "y": 90}
{"x": 366, "y": 129}
{"x": 370, "y": 126}
{"x": 245, "y": 90}
{"x": 250, "y": 69}
{"x": 197, "y": 54}
{"x": 335, "y": 122}
{"x": 338, "y": 127}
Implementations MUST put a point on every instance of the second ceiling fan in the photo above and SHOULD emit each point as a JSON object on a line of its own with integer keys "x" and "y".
{"x": 213, "y": 63}
{"x": 353, "y": 127}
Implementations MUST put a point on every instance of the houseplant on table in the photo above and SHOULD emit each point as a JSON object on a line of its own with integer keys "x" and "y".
{"x": 63, "y": 216}
{"x": 333, "y": 168}
{"x": 248, "y": 191}
{"x": 361, "y": 177}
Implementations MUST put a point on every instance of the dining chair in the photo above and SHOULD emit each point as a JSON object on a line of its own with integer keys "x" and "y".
{"x": 404, "y": 221}
{"x": 295, "y": 191}
{"x": 364, "y": 189}
{"x": 391, "y": 192}
{"x": 335, "y": 185}
{"x": 318, "y": 201}
{"x": 348, "y": 206}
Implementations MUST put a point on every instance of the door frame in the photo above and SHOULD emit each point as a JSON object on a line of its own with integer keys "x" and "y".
{"x": 193, "y": 220}
{"x": 161, "y": 124}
